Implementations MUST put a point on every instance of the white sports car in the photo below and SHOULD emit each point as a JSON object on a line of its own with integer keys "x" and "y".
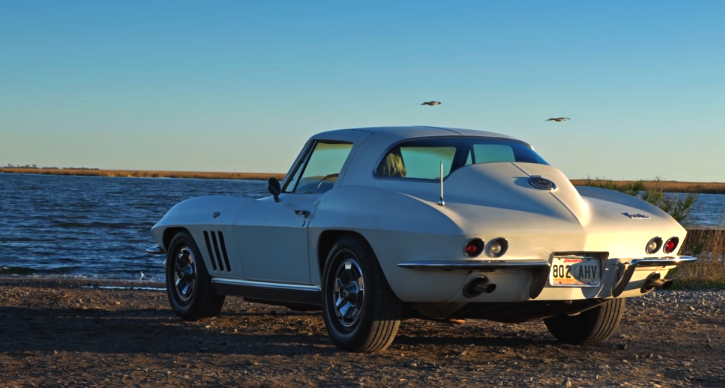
{"x": 375, "y": 225}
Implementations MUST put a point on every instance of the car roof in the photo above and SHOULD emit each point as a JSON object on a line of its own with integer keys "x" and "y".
{"x": 395, "y": 134}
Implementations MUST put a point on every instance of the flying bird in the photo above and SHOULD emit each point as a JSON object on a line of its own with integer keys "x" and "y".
{"x": 558, "y": 119}
{"x": 431, "y": 103}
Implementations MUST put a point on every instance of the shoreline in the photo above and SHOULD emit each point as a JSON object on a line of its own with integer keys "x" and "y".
{"x": 666, "y": 186}
{"x": 258, "y": 176}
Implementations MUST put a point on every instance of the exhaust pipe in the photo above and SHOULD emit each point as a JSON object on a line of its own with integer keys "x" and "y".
{"x": 478, "y": 286}
{"x": 654, "y": 281}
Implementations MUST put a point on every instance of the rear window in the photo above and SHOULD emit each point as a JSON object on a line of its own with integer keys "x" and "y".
{"x": 421, "y": 159}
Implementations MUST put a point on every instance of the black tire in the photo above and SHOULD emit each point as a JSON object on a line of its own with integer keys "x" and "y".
{"x": 188, "y": 284}
{"x": 367, "y": 314}
{"x": 588, "y": 327}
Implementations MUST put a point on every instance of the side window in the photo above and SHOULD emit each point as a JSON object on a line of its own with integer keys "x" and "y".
{"x": 416, "y": 162}
{"x": 319, "y": 173}
{"x": 491, "y": 153}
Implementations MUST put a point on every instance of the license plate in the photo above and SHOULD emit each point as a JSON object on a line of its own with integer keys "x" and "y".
{"x": 575, "y": 271}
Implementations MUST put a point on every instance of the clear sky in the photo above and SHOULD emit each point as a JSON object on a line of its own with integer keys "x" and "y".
{"x": 240, "y": 85}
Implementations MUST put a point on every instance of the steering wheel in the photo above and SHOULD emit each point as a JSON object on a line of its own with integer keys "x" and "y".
{"x": 329, "y": 176}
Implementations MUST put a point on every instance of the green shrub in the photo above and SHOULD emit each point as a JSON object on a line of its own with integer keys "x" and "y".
{"x": 653, "y": 193}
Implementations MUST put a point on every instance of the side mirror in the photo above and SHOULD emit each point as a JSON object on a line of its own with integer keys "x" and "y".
{"x": 274, "y": 188}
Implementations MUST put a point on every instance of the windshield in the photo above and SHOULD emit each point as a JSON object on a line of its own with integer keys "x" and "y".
{"x": 421, "y": 159}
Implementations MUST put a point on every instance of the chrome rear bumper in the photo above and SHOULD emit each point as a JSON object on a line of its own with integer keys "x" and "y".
{"x": 626, "y": 268}
{"x": 481, "y": 265}
{"x": 540, "y": 269}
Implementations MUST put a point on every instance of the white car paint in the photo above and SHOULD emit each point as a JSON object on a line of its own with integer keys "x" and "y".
{"x": 276, "y": 245}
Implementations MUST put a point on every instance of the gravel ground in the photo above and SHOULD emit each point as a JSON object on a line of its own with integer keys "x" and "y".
{"x": 57, "y": 332}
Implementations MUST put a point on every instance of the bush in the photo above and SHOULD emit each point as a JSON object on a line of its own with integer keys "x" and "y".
{"x": 653, "y": 193}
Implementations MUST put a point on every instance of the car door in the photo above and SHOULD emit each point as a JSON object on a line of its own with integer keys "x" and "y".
{"x": 272, "y": 235}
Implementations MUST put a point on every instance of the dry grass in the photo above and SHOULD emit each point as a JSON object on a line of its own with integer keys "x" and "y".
{"x": 708, "y": 245}
{"x": 666, "y": 186}
{"x": 144, "y": 173}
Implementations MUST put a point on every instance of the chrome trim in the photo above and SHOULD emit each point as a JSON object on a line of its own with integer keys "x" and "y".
{"x": 659, "y": 245}
{"x": 661, "y": 261}
{"x": 625, "y": 269}
{"x": 504, "y": 247}
{"x": 636, "y": 216}
{"x": 280, "y": 286}
{"x": 450, "y": 265}
{"x": 441, "y": 202}
{"x": 157, "y": 250}
{"x": 542, "y": 183}
{"x": 677, "y": 244}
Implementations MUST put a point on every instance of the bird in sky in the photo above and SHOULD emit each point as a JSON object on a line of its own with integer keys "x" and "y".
{"x": 431, "y": 103}
{"x": 558, "y": 119}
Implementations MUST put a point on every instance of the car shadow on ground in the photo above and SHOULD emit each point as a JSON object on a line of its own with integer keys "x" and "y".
{"x": 159, "y": 331}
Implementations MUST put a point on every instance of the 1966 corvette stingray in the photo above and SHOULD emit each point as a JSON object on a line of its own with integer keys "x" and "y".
{"x": 375, "y": 225}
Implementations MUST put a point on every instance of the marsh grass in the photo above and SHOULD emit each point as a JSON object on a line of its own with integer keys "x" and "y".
{"x": 708, "y": 245}
{"x": 143, "y": 173}
{"x": 656, "y": 184}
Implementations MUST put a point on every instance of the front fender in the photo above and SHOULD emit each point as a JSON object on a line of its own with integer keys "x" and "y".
{"x": 200, "y": 211}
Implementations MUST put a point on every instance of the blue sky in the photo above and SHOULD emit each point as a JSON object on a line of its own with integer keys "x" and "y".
{"x": 240, "y": 85}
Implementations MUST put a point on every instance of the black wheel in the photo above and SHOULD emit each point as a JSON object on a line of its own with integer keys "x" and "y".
{"x": 361, "y": 312}
{"x": 588, "y": 327}
{"x": 188, "y": 283}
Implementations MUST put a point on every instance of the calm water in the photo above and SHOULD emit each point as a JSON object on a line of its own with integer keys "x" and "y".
{"x": 99, "y": 227}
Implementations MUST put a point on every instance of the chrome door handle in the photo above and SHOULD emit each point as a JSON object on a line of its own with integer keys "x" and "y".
{"x": 303, "y": 213}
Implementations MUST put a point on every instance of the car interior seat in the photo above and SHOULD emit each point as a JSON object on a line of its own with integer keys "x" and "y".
{"x": 392, "y": 165}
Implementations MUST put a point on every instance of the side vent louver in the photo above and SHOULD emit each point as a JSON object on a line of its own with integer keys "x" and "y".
{"x": 215, "y": 255}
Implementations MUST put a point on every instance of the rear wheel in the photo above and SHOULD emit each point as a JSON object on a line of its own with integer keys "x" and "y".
{"x": 361, "y": 312}
{"x": 588, "y": 327}
{"x": 188, "y": 284}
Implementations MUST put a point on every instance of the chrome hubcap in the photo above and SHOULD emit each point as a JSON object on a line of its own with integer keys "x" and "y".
{"x": 185, "y": 274}
{"x": 348, "y": 292}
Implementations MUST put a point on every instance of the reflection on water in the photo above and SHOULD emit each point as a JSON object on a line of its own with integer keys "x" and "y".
{"x": 99, "y": 227}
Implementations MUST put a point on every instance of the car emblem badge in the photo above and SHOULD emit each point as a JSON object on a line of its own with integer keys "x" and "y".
{"x": 636, "y": 216}
{"x": 216, "y": 214}
{"x": 541, "y": 183}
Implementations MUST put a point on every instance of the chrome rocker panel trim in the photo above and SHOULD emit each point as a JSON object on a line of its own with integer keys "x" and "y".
{"x": 539, "y": 269}
{"x": 274, "y": 293}
{"x": 626, "y": 268}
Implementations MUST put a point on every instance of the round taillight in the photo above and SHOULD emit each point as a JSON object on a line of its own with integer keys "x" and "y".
{"x": 671, "y": 245}
{"x": 653, "y": 246}
{"x": 497, "y": 247}
{"x": 474, "y": 247}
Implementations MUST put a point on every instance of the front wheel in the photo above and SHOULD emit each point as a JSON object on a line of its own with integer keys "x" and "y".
{"x": 588, "y": 327}
{"x": 188, "y": 284}
{"x": 361, "y": 312}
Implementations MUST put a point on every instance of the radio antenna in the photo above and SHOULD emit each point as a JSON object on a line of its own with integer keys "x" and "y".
{"x": 441, "y": 202}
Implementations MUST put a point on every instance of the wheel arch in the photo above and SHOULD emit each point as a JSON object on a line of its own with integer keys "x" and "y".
{"x": 169, "y": 234}
{"x": 327, "y": 240}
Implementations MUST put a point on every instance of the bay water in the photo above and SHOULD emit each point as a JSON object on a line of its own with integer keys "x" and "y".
{"x": 98, "y": 227}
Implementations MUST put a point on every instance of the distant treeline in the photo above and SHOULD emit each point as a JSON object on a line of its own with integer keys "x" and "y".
{"x": 141, "y": 173}
{"x": 33, "y": 166}
{"x": 661, "y": 185}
